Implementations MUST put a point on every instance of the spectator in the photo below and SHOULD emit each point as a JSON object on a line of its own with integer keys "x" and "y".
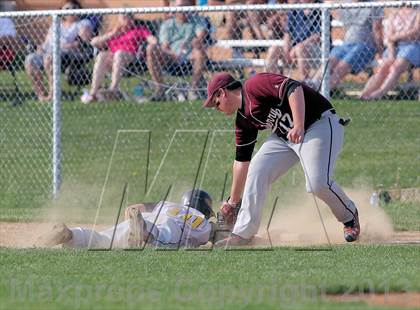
{"x": 265, "y": 25}
{"x": 402, "y": 43}
{"x": 276, "y": 21}
{"x": 73, "y": 33}
{"x": 7, "y": 41}
{"x": 181, "y": 50}
{"x": 118, "y": 48}
{"x": 301, "y": 40}
{"x": 236, "y": 21}
{"x": 233, "y": 28}
{"x": 252, "y": 19}
{"x": 361, "y": 42}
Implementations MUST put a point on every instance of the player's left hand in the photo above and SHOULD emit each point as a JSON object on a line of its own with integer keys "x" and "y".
{"x": 228, "y": 211}
{"x": 296, "y": 134}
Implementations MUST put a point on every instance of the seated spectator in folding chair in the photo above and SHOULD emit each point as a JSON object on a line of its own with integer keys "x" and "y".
{"x": 255, "y": 20}
{"x": 118, "y": 48}
{"x": 361, "y": 42}
{"x": 402, "y": 39}
{"x": 276, "y": 21}
{"x": 181, "y": 51}
{"x": 73, "y": 32}
{"x": 237, "y": 21}
{"x": 233, "y": 22}
{"x": 301, "y": 41}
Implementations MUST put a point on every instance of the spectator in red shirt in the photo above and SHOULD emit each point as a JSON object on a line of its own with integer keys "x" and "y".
{"x": 118, "y": 48}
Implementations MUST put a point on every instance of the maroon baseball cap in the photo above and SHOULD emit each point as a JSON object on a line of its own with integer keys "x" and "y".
{"x": 219, "y": 80}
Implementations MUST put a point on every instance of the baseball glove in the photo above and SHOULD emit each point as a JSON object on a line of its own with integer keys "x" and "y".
{"x": 226, "y": 217}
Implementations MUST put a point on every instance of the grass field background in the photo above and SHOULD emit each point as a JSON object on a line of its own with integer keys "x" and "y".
{"x": 381, "y": 150}
{"x": 279, "y": 279}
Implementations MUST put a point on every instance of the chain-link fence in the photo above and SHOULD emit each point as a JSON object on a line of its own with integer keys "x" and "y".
{"x": 90, "y": 99}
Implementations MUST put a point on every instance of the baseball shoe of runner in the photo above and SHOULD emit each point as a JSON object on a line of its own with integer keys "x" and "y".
{"x": 352, "y": 228}
{"x": 232, "y": 241}
{"x": 59, "y": 234}
{"x": 137, "y": 232}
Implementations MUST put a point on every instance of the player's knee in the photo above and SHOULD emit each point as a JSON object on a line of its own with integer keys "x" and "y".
{"x": 397, "y": 67}
{"x": 30, "y": 61}
{"x": 317, "y": 187}
{"x": 151, "y": 48}
{"x": 260, "y": 173}
{"x": 118, "y": 54}
{"x": 258, "y": 179}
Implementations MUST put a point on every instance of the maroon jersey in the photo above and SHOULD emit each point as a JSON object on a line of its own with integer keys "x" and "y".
{"x": 265, "y": 104}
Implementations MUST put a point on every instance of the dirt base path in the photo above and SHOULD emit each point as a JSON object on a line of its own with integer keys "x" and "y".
{"x": 409, "y": 300}
{"x": 25, "y": 235}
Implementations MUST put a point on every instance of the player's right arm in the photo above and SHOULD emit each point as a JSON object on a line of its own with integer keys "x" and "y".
{"x": 246, "y": 137}
{"x": 230, "y": 208}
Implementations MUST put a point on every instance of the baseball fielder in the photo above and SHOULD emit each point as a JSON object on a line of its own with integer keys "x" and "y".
{"x": 167, "y": 223}
{"x": 305, "y": 128}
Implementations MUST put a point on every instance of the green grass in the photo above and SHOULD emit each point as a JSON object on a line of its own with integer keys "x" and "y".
{"x": 405, "y": 216}
{"x": 381, "y": 147}
{"x": 279, "y": 279}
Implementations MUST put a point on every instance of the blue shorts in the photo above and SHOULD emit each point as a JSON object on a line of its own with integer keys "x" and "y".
{"x": 357, "y": 55}
{"x": 178, "y": 68}
{"x": 36, "y": 60}
{"x": 410, "y": 51}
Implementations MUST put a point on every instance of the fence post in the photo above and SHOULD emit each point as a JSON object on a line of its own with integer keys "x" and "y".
{"x": 325, "y": 50}
{"x": 56, "y": 160}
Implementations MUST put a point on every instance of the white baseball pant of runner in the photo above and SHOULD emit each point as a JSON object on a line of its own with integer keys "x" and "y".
{"x": 318, "y": 153}
{"x": 102, "y": 239}
{"x": 167, "y": 236}
{"x": 166, "y": 231}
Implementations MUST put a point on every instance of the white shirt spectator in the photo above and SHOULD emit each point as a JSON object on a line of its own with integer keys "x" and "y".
{"x": 7, "y": 27}
{"x": 68, "y": 34}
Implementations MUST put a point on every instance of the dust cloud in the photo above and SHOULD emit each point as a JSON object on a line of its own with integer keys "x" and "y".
{"x": 300, "y": 224}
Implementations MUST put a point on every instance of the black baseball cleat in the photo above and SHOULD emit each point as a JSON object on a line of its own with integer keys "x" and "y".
{"x": 232, "y": 240}
{"x": 352, "y": 228}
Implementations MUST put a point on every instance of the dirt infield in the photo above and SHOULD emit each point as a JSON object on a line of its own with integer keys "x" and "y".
{"x": 297, "y": 224}
{"x": 25, "y": 235}
{"x": 410, "y": 300}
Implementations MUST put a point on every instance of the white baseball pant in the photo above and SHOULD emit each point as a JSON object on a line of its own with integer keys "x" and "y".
{"x": 102, "y": 239}
{"x": 318, "y": 153}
